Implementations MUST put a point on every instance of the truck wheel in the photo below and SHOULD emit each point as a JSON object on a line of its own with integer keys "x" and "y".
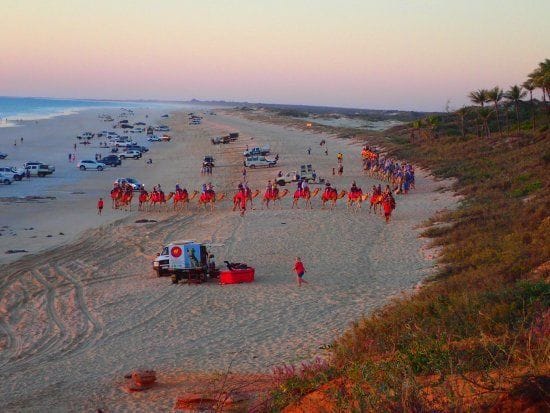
{"x": 17, "y": 177}
{"x": 253, "y": 166}
{"x": 41, "y": 174}
{"x": 100, "y": 168}
{"x": 7, "y": 182}
{"x": 122, "y": 157}
{"x": 82, "y": 168}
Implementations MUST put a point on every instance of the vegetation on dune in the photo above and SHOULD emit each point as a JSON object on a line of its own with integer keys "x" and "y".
{"x": 480, "y": 331}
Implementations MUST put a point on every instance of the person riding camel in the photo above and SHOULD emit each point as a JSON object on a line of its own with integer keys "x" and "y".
{"x": 274, "y": 190}
{"x": 269, "y": 190}
{"x": 305, "y": 188}
{"x": 328, "y": 190}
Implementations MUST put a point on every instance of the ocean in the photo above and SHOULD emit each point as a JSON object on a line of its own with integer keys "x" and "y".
{"x": 13, "y": 109}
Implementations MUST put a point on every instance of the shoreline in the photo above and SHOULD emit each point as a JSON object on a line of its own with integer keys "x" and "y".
{"x": 156, "y": 323}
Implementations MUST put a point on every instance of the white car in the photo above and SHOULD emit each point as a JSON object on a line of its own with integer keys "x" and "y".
{"x": 5, "y": 178}
{"x": 133, "y": 182}
{"x": 120, "y": 143}
{"x": 90, "y": 164}
{"x": 154, "y": 138}
{"x": 132, "y": 153}
{"x": 15, "y": 173}
{"x": 255, "y": 161}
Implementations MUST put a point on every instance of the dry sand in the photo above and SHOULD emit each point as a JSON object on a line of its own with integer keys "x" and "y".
{"x": 75, "y": 318}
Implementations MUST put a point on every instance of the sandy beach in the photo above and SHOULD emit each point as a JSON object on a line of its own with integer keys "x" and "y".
{"x": 85, "y": 308}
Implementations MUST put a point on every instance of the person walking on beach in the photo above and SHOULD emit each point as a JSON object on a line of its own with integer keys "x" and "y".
{"x": 100, "y": 206}
{"x": 28, "y": 174}
{"x": 240, "y": 199}
{"x": 300, "y": 271}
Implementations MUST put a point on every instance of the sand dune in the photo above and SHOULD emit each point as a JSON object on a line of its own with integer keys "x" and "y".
{"x": 77, "y": 317}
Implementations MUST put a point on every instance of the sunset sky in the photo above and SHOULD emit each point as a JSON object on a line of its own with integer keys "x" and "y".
{"x": 368, "y": 54}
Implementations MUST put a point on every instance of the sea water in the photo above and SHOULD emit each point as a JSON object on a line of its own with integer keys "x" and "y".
{"x": 16, "y": 109}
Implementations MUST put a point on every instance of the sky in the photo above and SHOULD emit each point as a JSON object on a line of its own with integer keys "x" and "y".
{"x": 379, "y": 54}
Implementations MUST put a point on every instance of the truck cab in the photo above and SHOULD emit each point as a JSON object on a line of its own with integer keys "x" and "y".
{"x": 183, "y": 260}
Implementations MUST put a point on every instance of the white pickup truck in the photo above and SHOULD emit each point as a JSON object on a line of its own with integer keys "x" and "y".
{"x": 39, "y": 169}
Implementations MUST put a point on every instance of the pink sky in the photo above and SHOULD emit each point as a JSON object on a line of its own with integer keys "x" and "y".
{"x": 370, "y": 54}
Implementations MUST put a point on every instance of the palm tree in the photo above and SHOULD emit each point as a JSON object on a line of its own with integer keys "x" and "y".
{"x": 529, "y": 86}
{"x": 433, "y": 123}
{"x": 540, "y": 77}
{"x": 495, "y": 95}
{"x": 515, "y": 94}
{"x": 484, "y": 115}
{"x": 479, "y": 97}
{"x": 416, "y": 127}
{"x": 461, "y": 115}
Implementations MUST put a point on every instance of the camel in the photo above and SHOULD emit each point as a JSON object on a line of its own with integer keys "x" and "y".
{"x": 332, "y": 196}
{"x": 376, "y": 202}
{"x": 355, "y": 199}
{"x": 143, "y": 197}
{"x": 156, "y": 198}
{"x": 209, "y": 198}
{"x": 115, "y": 193}
{"x": 250, "y": 196}
{"x": 124, "y": 199}
{"x": 182, "y": 198}
{"x": 306, "y": 195}
{"x": 273, "y": 196}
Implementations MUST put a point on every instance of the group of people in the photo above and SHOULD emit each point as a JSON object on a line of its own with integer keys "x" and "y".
{"x": 400, "y": 176}
{"x": 206, "y": 170}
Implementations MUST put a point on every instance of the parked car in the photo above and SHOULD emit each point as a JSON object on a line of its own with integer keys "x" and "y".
{"x": 121, "y": 143}
{"x": 234, "y": 136}
{"x": 16, "y": 173}
{"x": 255, "y": 161}
{"x": 39, "y": 169}
{"x": 111, "y": 160}
{"x": 5, "y": 178}
{"x": 306, "y": 172}
{"x": 132, "y": 153}
{"x": 264, "y": 150}
{"x": 91, "y": 164}
{"x": 154, "y": 138}
{"x": 142, "y": 149}
{"x": 3, "y": 155}
{"x": 134, "y": 183}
